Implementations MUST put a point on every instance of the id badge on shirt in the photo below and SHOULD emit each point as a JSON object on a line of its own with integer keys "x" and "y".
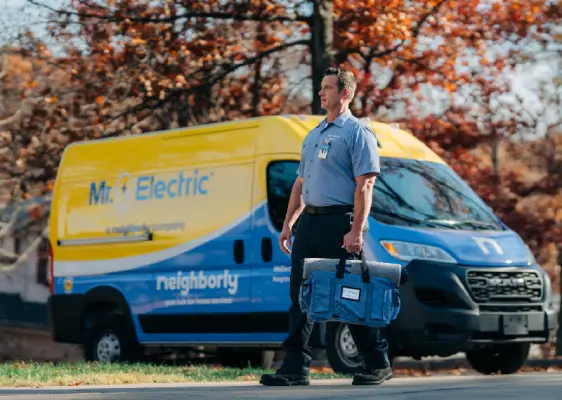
{"x": 324, "y": 151}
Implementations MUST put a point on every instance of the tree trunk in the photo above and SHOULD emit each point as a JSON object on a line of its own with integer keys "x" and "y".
{"x": 559, "y": 336}
{"x": 321, "y": 48}
{"x": 257, "y": 74}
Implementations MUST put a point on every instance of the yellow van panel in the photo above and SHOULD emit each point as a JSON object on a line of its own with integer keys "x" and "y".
{"x": 107, "y": 158}
{"x": 280, "y": 135}
{"x": 175, "y": 184}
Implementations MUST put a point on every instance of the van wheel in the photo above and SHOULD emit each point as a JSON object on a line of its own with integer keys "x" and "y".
{"x": 341, "y": 351}
{"x": 109, "y": 341}
{"x": 504, "y": 359}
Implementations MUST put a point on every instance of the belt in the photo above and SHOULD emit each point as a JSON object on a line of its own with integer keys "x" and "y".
{"x": 335, "y": 209}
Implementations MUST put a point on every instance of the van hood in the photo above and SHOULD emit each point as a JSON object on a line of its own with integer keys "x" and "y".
{"x": 486, "y": 248}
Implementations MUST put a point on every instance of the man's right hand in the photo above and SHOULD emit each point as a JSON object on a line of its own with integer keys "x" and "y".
{"x": 294, "y": 208}
{"x": 285, "y": 239}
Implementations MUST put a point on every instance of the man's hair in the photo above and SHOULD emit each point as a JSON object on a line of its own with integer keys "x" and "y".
{"x": 346, "y": 79}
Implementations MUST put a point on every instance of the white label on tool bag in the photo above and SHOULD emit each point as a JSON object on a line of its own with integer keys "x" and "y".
{"x": 350, "y": 293}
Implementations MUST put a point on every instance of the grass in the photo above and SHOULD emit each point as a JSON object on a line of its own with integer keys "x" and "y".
{"x": 22, "y": 374}
{"x": 42, "y": 375}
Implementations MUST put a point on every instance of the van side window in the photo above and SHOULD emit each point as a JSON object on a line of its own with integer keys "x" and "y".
{"x": 280, "y": 178}
{"x": 43, "y": 263}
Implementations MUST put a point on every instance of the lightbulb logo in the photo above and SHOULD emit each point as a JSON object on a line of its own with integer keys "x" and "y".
{"x": 123, "y": 191}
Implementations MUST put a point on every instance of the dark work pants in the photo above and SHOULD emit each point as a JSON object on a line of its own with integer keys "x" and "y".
{"x": 321, "y": 235}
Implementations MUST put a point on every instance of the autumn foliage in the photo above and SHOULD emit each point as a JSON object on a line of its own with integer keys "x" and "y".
{"x": 124, "y": 67}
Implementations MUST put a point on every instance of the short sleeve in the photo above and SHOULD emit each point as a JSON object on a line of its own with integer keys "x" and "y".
{"x": 364, "y": 152}
{"x": 300, "y": 171}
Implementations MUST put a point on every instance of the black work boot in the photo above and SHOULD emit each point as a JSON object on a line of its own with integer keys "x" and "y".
{"x": 284, "y": 378}
{"x": 372, "y": 376}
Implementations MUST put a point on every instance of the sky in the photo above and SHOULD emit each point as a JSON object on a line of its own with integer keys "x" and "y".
{"x": 17, "y": 14}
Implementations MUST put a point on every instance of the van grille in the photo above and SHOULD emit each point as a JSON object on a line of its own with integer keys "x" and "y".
{"x": 505, "y": 286}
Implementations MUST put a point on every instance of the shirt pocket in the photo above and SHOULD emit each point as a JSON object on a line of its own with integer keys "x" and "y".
{"x": 337, "y": 153}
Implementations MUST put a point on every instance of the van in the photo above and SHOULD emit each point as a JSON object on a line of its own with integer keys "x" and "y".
{"x": 168, "y": 240}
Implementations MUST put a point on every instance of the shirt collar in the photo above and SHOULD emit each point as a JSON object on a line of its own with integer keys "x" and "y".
{"x": 339, "y": 121}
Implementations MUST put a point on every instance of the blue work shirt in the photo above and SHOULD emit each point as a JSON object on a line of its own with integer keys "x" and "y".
{"x": 332, "y": 156}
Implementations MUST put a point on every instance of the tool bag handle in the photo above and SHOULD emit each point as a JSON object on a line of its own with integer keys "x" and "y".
{"x": 364, "y": 268}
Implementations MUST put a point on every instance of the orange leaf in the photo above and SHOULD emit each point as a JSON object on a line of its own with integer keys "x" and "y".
{"x": 451, "y": 87}
{"x": 137, "y": 41}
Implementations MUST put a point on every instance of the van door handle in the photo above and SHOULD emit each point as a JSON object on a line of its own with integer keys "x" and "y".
{"x": 239, "y": 251}
{"x": 266, "y": 249}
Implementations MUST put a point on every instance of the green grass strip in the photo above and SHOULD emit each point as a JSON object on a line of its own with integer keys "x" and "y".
{"x": 22, "y": 374}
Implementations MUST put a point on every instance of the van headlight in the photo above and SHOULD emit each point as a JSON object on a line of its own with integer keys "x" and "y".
{"x": 530, "y": 256}
{"x": 408, "y": 251}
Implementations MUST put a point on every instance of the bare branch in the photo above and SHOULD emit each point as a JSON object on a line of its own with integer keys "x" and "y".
{"x": 235, "y": 66}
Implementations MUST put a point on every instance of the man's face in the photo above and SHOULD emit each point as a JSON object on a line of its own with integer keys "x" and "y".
{"x": 330, "y": 97}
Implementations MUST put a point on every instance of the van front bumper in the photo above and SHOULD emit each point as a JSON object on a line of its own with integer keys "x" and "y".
{"x": 451, "y": 308}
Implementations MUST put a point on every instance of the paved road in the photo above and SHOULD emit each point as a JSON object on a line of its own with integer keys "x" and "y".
{"x": 536, "y": 386}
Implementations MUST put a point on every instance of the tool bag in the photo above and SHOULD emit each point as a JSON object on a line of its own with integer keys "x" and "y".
{"x": 351, "y": 291}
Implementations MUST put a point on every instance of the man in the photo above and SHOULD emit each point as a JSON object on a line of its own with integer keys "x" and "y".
{"x": 333, "y": 191}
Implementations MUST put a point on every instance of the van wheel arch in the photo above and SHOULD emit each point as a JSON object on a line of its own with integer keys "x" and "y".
{"x": 109, "y": 340}
{"x": 106, "y": 309}
{"x": 102, "y": 300}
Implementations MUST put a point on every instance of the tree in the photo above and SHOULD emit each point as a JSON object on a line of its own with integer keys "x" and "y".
{"x": 397, "y": 35}
{"x": 506, "y": 146}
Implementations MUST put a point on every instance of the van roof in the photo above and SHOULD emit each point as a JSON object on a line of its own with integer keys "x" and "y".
{"x": 394, "y": 142}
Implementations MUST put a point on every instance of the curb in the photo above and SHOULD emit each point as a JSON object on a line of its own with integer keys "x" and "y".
{"x": 124, "y": 388}
{"x": 463, "y": 363}
{"x": 155, "y": 387}
{"x": 446, "y": 363}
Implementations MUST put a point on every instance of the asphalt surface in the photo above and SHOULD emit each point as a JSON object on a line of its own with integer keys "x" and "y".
{"x": 520, "y": 386}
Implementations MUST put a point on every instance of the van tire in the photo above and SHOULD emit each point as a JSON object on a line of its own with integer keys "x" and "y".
{"x": 109, "y": 340}
{"x": 341, "y": 351}
{"x": 504, "y": 359}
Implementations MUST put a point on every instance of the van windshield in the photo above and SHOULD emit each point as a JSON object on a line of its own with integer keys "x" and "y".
{"x": 421, "y": 193}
